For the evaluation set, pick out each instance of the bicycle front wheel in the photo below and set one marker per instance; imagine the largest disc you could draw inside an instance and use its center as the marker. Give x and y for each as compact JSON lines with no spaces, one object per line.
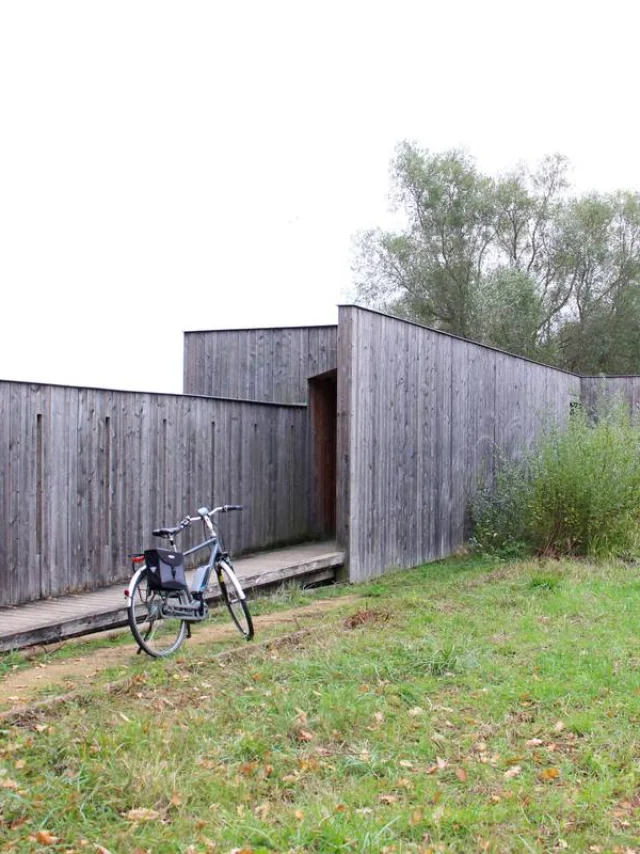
{"x":155,"y":633}
{"x":234,"y":598}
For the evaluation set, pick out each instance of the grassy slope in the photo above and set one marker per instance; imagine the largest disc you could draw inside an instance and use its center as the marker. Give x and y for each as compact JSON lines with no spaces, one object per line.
{"x":477,"y":708}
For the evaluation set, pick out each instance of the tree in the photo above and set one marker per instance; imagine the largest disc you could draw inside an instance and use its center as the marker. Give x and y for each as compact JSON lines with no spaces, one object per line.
{"x":510,"y":261}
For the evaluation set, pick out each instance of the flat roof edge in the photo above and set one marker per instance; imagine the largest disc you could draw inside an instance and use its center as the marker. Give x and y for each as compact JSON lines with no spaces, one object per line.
{"x":154,"y":393}
{"x":458,"y":338}
{"x":260,"y":328}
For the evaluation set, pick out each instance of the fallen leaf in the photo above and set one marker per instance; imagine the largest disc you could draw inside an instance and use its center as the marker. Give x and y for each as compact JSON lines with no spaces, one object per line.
{"x":305,"y":735}
{"x":142,"y":814}
{"x":388,"y":799}
{"x":299,"y":815}
{"x":20,"y":764}
{"x":512,"y":772}
{"x":441,"y":763}
{"x":415,"y":711}
{"x":46,"y":838}
{"x":559,"y":726}
{"x":9,"y":784}
{"x":461,"y":774}
{"x":404,"y":763}
{"x":176,"y":800}
{"x":102,"y":850}
{"x":549,"y":774}
{"x":534,"y":742}
{"x":341,"y":808}
{"x":262,"y":811}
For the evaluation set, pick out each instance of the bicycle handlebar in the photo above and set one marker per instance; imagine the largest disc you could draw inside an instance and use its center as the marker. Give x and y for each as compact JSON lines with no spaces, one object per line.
{"x":225,"y":508}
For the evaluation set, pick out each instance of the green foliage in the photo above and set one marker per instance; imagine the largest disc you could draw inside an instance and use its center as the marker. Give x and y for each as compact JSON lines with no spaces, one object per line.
{"x":511,"y":261}
{"x":576,"y":493}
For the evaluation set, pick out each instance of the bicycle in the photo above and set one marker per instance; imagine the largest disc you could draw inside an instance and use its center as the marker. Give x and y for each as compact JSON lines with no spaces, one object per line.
{"x":161,"y":605}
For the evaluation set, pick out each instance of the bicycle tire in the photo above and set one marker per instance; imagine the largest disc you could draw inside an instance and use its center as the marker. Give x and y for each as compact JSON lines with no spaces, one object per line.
{"x":156,"y":635}
{"x":233,"y":597}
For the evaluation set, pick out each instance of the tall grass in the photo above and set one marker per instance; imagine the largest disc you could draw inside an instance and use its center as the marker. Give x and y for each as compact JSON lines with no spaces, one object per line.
{"x":576,"y":493}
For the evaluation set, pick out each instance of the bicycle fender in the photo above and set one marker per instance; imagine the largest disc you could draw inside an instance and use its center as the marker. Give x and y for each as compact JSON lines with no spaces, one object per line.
{"x":234,"y":581}
{"x":127,"y":593}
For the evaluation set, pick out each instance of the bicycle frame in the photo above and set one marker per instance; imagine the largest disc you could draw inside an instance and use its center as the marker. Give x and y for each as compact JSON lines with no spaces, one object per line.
{"x":202,"y":573}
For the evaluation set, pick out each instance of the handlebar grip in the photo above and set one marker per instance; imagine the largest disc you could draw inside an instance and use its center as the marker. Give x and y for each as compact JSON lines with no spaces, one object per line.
{"x":228,"y":507}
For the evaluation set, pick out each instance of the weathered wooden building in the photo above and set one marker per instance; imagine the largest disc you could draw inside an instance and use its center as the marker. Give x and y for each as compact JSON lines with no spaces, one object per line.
{"x":402,"y":421}
{"x":373,"y":431}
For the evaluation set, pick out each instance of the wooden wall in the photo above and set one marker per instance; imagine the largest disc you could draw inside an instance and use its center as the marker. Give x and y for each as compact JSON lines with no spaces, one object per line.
{"x":598,"y":390}
{"x":85,"y":475}
{"x":258,"y":364}
{"x":420,"y":414}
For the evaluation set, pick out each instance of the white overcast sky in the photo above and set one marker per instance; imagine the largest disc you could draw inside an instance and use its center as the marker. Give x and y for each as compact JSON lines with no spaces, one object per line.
{"x":187,"y":165}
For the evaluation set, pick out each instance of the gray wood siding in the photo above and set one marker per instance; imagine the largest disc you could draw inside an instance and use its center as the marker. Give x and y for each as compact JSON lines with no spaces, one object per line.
{"x":599,"y":391}
{"x":258,"y":364}
{"x":420,"y":416}
{"x":85,"y":475}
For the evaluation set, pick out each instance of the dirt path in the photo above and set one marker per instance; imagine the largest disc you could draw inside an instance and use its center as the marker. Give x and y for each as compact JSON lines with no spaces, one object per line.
{"x":24,"y":685}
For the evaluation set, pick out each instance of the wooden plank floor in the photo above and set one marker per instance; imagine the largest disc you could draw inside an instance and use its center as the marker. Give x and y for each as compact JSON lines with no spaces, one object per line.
{"x":52,"y":620}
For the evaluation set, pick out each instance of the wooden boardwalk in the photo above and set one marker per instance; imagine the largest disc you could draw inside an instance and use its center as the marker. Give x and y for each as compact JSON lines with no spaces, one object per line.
{"x":52,"y":620}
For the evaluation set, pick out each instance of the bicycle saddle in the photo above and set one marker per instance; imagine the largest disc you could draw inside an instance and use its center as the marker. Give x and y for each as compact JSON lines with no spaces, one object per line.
{"x":166,"y":532}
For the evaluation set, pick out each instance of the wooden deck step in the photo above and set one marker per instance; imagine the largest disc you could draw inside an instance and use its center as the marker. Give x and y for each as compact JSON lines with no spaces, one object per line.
{"x":52,"y":620}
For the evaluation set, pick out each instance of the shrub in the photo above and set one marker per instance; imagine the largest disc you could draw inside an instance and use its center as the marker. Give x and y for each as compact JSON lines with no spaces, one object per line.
{"x":576,"y":493}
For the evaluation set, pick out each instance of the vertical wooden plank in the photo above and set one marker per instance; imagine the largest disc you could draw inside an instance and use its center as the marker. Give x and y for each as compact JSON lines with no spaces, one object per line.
{"x":344,"y":431}
{"x":460,"y":355}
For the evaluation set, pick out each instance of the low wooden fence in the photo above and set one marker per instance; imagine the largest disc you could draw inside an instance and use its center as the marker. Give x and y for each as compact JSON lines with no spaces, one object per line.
{"x":85,"y":474}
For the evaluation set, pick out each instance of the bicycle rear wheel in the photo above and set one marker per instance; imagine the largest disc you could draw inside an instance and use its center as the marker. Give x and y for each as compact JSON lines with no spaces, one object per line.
{"x":155,"y":634}
{"x":234,"y":598}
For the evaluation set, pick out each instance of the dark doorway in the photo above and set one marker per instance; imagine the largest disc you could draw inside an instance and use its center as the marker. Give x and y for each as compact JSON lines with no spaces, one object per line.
{"x":323,"y":411}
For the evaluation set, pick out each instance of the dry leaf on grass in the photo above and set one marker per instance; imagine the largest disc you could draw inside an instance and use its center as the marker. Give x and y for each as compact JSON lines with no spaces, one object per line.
{"x":143,"y":814}
{"x":549,"y":774}
{"x":46,"y":838}
{"x":512,"y":772}
{"x":305,"y":735}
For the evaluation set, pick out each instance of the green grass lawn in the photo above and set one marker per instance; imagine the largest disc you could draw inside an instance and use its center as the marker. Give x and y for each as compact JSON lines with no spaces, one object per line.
{"x":463,"y":706}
